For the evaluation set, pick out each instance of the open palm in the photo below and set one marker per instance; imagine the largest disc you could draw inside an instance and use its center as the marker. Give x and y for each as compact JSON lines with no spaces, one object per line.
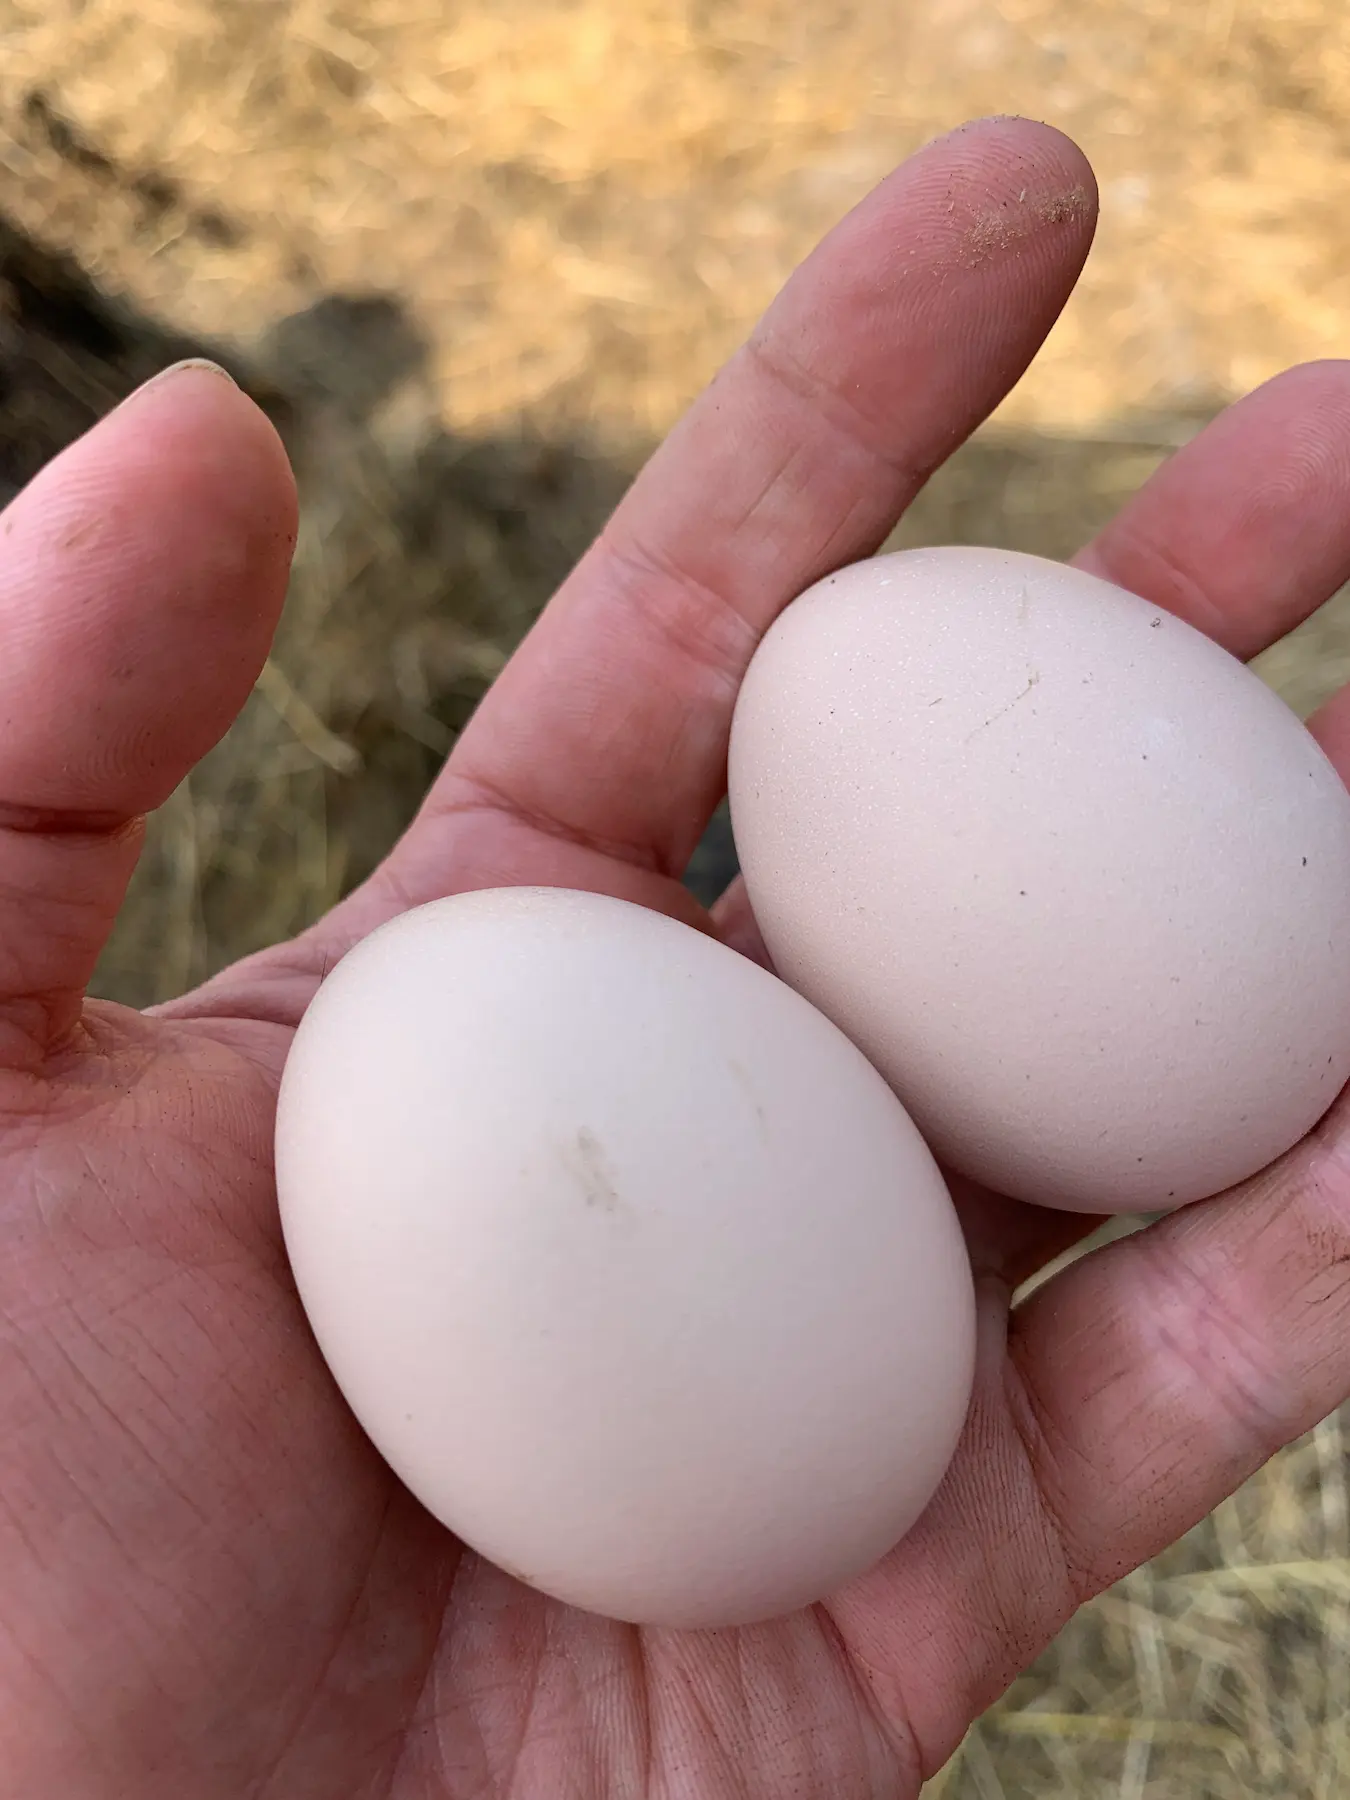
{"x":211,"y":1584}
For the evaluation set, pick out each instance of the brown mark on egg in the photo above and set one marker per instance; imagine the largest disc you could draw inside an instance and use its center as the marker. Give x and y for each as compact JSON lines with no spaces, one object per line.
{"x":742,"y":1078}
{"x":585,"y":1161}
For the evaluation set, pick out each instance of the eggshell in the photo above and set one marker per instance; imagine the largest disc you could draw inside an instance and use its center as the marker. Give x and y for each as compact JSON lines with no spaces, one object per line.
{"x":1071,"y":876}
{"x":629,"y":1264}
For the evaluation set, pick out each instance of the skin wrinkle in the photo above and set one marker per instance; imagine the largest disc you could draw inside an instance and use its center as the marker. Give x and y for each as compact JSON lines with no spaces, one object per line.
{"x":17,"y":896}
{"x":1057,"y":1467}
{"x":835,"y":405}
{"x":959,"y":1598}
{"x":12,"y":1515}
{"x":452,"y":1755}
{"x":58,"y":1404}
{"x":291,"y":1734}
{"x":640,"y":1685}
{"x":80,"y":1726}
{"x":773,"y":478}
{"x":896,"y":1733}
{"x":1281,"y":1203}
{"x":612,"y":1767}
{"x":701,"y":625}
{"x":1064,"y":1580}
{"x":134,"y":1425}
{"x":508,"y":1781}
{"x":860,"y":525}
{"x":1205,"y":1335}
{"x":471,"y":798}
{"x":32,"y":821}
{"x":696,"y":1725}
{"x":42,"y":1011}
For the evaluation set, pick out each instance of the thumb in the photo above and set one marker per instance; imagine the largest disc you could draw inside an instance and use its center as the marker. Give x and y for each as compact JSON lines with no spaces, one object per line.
{"x":142,"y":574}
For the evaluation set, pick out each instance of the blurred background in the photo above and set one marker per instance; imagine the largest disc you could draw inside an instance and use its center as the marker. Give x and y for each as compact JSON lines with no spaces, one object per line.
{"x":474,"y":257}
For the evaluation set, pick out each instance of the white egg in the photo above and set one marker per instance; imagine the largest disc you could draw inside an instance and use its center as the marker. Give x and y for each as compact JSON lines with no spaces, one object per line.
{"x":1075,"y":881}
{"x":628,"y":1262}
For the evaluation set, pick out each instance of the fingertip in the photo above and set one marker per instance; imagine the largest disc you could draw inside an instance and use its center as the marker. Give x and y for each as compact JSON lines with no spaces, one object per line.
{"x":195,"y":406}
{"x":1046,"y":157}
{"x":200,"y":445}
{"x":1311,"y":400}
{"x":1040,"y":137}
{"x":1243,"y":530}
{"x":185,"y":365}
{"x":142,"y":576}
{"x":1007,"y":197}
{"x":973,"y":244}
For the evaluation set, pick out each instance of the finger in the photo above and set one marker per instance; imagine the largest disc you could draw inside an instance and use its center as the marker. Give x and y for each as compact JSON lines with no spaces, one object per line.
{"x":1245,"y":531}
{"x":609,"y":727}
{"x":1164,"y":1371}
{"x":1330,"y":725}
{"x":737,"y":925}
{"x":1140,"y":1388}
{"x":141,"y":577}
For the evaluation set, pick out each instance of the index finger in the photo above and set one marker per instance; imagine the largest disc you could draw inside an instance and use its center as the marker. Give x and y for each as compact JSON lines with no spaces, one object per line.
{"x":901,"y":332}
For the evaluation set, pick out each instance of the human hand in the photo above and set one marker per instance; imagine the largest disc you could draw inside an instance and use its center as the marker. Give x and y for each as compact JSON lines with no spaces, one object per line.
{"x":212,"y":1584}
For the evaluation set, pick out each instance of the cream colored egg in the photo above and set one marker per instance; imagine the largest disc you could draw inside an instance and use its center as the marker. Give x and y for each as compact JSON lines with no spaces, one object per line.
{"x":629,"y":1264}
{"x":1071,"y":876}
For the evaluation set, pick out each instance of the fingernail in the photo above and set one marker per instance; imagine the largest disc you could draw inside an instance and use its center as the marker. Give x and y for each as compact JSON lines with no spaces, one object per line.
{"x":203,"y":363}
